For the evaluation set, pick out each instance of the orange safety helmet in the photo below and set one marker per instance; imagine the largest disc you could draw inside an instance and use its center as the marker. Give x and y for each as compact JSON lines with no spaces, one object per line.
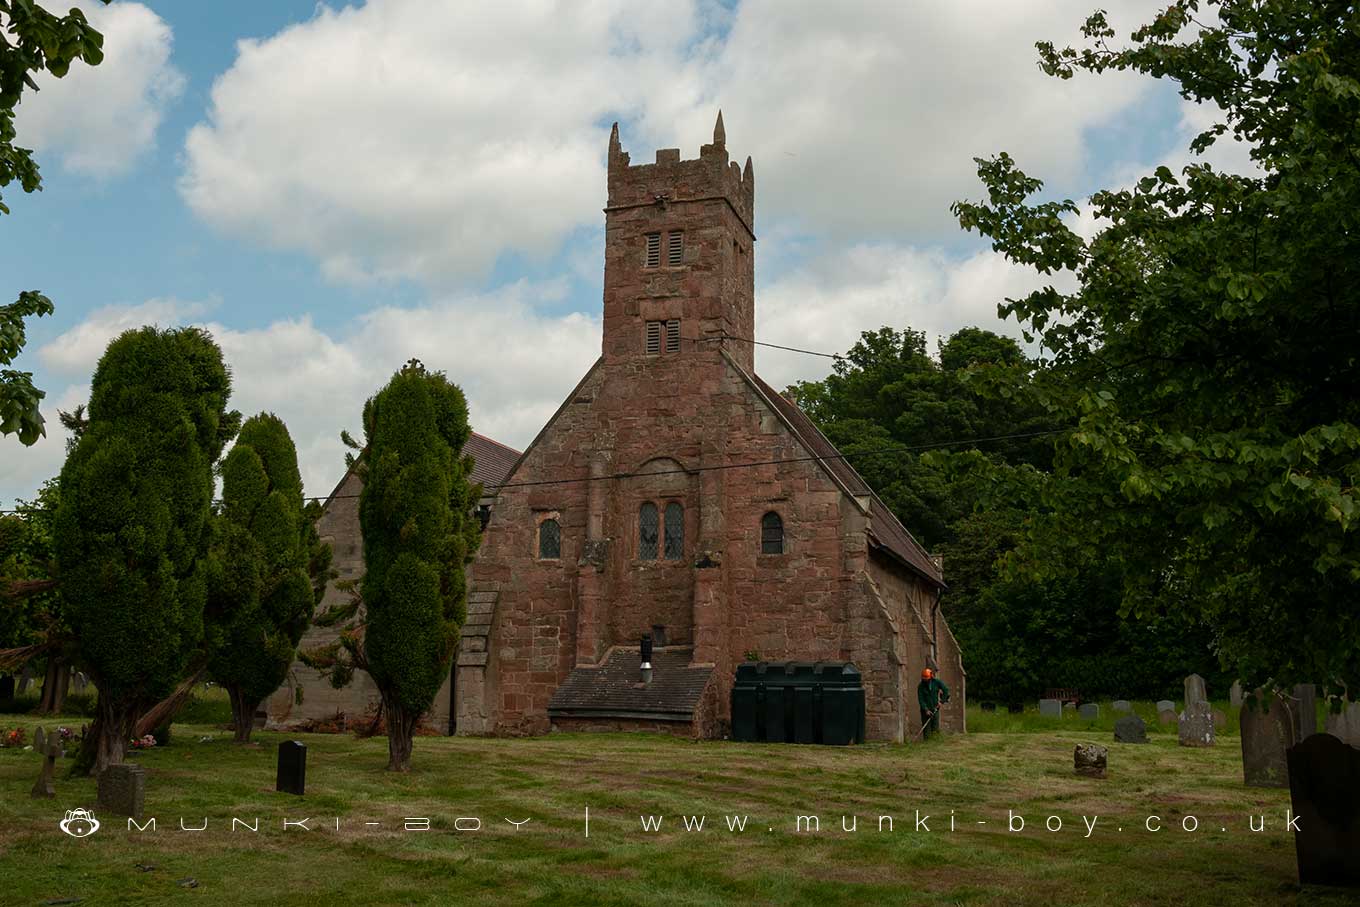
{"x":927,"y":674}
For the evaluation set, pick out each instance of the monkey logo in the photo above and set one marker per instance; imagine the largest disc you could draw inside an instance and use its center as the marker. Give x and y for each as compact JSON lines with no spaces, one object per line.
{"x":79,"y":823}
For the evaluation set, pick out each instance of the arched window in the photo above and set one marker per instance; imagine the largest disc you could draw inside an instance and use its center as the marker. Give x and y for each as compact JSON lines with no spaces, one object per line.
{"x":771,"y":534}
{"x":549,"y":540}
{"x":675,"y":532}
{"x":647,"y":532}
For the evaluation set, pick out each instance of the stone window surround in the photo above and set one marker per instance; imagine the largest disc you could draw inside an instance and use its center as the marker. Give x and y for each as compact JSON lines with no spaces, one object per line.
{"x":783,"y":552}
{"x":660,"y":503}
{"x":541,"y":517}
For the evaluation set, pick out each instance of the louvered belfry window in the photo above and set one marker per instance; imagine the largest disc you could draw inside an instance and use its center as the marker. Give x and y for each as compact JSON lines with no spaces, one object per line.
{"x":653,"y":250}
{"x":653,"y":337}
{"x":673,"y":336}
{"x":647,"y":532}
{"x":675,"y":248}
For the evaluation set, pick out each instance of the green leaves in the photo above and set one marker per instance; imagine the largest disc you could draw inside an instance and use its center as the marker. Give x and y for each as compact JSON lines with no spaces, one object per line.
{"x":1209,"y":355}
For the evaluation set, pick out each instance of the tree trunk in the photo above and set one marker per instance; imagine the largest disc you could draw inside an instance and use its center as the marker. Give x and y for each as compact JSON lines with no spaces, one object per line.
{"x":242,"y":712}
{"x":55,"y":684}
{"x":164,"y":711}
{"x":401,"y":727}
{"x":112,"y":729}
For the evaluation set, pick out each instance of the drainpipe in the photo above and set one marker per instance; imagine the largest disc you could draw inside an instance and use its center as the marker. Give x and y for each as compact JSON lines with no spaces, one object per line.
{"x":646,"y":648}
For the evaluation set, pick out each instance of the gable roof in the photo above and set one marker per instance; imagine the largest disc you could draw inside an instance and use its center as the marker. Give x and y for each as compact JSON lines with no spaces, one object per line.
{"x":886,"y":531}
{"x":613,"y":690}
{"x":492,"y":463}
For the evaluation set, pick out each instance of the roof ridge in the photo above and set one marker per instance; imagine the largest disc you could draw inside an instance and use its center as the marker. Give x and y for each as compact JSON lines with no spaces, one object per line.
{"x":477,"y":434}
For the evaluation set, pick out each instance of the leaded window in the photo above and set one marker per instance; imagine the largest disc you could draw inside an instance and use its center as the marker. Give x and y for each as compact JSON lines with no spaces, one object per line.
{"x":771,"y":534}
{"x":549,"y":540}
{"x":647,"y":532}
{"x":675,"y":532}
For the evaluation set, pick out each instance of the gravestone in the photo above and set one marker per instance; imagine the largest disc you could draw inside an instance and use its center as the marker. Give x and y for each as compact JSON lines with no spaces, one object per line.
{"x":1324,"y":790}
{"x":1345,"y":725}
{"x":49,"y":748}
{"x":25,"y":678}
{"x":1235,"y":694}
{"x":1167,"y":716}
{"x":1196,"y":725}
{"x":122,"y":789}
{"x":292,"y":774}
{"x":1050,"y":708}
{"x":1130,"y":729}
{"x":1220,"y":719}
{"x":1015,"y":708}
{"x":1270,"y":724}
{"x":1122,"y":705}
{"x":6,"y":688}
{"x":989,"y":706}
{"x":1069,"y":708}
{"x":1089,"y":760}
{"x":79,"y":682}
{"x":1195,"y":690}
{"x":1305,"y":694}
{"x":1165,"y":705}
{"x":1089,"y":711}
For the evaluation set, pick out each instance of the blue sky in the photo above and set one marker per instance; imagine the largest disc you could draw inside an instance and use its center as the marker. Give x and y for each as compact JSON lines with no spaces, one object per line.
{"x":357,"y":185}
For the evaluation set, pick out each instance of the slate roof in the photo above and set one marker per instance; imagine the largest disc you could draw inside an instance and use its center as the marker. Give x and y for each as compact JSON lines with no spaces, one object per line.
{"x":613,"y":690}
{"x":493,"y":461}
{"x":885,"y":530}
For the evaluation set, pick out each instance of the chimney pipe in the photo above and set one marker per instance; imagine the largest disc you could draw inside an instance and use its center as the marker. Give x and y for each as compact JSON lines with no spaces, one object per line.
{"x":646,"y":649}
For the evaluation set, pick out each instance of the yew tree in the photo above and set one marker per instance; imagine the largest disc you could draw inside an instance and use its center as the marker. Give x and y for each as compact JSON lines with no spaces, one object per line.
{"x":415,"y":514}
{"x":133,"y":524}
{"x":1208,"y":359}
{"x":264,"y":556}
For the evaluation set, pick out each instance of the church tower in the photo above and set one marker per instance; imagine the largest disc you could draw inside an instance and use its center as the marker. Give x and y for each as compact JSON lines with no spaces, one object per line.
{"x":679,"y":256}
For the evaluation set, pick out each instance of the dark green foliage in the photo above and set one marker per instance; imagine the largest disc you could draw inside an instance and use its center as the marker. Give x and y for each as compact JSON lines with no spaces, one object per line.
{"x":26,"y":556}
{"x":419,"y":534}
{"x":32,"y":40}
{"x":260,"y":586}
{"x":1207,"y":362}
{"x":133,"y":524}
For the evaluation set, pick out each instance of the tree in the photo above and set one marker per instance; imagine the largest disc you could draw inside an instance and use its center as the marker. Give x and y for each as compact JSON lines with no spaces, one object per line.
{"x":1207,"y":360}
{"x":415,"y":513}
{"x":260,"y":576}
{"x":132,"y":526}
{"x":37,"y":41}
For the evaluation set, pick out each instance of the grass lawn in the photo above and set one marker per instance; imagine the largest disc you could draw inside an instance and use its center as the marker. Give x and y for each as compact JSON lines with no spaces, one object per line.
{"x":1019,"y":763}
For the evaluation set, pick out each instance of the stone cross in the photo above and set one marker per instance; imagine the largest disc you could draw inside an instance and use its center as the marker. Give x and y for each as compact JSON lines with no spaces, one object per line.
{"x":49,"y":747}
{"x":122,"y":789}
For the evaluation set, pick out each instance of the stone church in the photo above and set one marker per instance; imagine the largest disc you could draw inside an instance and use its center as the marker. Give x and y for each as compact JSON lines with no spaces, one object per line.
{"x":676,"y":493}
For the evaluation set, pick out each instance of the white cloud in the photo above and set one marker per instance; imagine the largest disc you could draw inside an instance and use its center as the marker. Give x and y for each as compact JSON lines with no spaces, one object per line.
{"x":409,"y":139}
{"x":101,"y":119}
{"x":514,"y":365}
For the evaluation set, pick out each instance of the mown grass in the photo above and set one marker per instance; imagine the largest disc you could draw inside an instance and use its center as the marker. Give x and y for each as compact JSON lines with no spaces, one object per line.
{"x":1019,"y":763}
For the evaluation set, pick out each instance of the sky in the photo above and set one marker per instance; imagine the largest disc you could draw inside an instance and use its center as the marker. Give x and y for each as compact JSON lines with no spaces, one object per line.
{"x":332,"y":190}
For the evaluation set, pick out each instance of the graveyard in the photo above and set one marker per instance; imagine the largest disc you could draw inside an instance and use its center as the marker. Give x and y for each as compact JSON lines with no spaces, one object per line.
{"x":503,"y":821}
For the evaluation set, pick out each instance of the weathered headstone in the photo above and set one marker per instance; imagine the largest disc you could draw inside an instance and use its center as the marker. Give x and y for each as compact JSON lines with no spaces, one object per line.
{"x":1050,"y":708}
{"x":25,"y":678}
{"x":1130,"y":729}
{"x":292,"y":774}
{"x":1166,"y":705}
{"x":1122,"y":705}
{"x":1305,"y":695}
{"x":79,"y":682}
{"x":122,"y":789}
{"x":1089,"y":759}
{"x":1269,"y":726}
{"x":1220,"y":719}
{"x":1324,"y":790}
{"x":1167,"y":716}
{"x":1088,"y":711}
{"x":1195,"y":690}
{"x":989,"y":706}
{"x":1345,"y":725}
{"x":1196,"y":725}
{"x":1235,"y":694}
{"x":49,"y":748}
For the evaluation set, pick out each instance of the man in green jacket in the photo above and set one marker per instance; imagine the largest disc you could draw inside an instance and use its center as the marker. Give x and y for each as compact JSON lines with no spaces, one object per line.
{"x":931,"y":695}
